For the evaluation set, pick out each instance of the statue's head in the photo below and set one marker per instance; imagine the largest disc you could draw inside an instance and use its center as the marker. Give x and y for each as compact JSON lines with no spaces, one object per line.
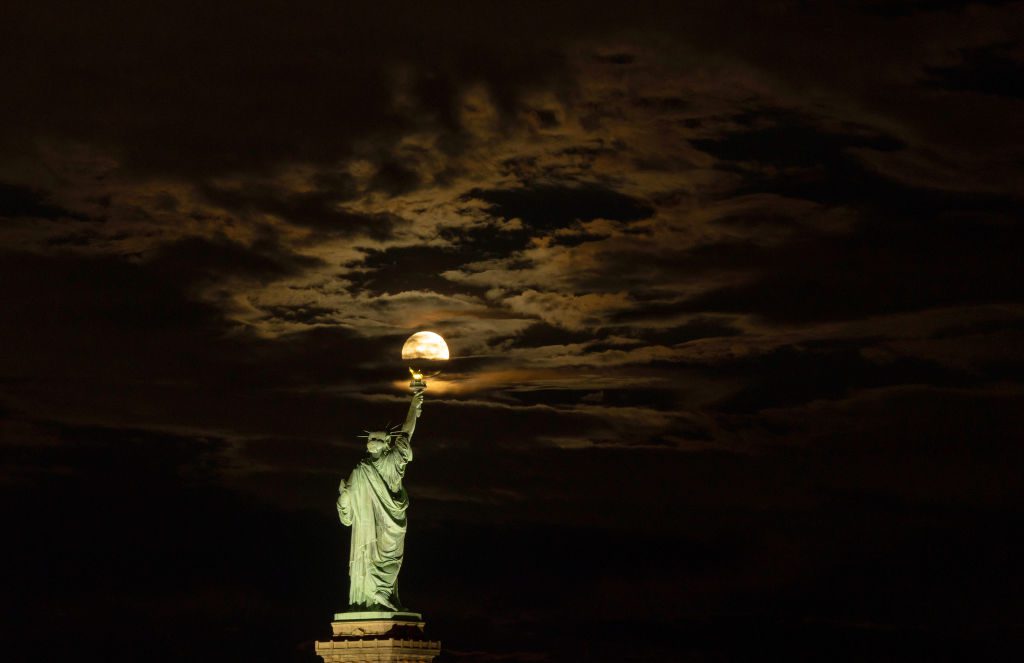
{"x":377,"y":441}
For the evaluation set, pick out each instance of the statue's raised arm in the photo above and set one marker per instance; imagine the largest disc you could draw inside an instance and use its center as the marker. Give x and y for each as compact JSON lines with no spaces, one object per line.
{"x":415,"y":410}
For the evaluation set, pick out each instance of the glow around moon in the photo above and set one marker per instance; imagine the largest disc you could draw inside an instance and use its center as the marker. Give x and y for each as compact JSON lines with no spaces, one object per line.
{"x":425,"y":345}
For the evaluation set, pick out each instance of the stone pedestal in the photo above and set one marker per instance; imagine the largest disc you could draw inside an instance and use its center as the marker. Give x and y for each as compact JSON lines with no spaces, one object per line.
{"x":378,"y":637}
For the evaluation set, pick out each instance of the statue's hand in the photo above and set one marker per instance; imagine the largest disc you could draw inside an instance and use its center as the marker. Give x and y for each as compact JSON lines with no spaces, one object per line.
{"x":417,"y":402}
{"x":341,"y":487}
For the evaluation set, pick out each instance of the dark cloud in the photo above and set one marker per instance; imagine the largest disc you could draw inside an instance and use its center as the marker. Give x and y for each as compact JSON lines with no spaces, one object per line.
{"x":545,"y":208}
{"x":883,"y":268}
{"x":571,"y":239}
{"x":907,"y":7}
{"x":989,"y":70}
{"x":80,"y":239}
{"x":140,"y":333}
{"x":244,"y":92}
{"x":793,"y":375}
{"x":785,"y":139}
{"x":400,"y":269}
{"x":198,"y":105}
{"x":118,"y":294}
{"x":195,"y":259}
{"x":689,"y":331}
{"x":126,"y":456}
{"x":616,"y":58}
{"x":16,"y":201}
{"x":822,"y":165}
{"x":541,"y":334}
{"x":305,"y":314}
{"x":320,"y":209}
{"x":394,"y":178}
{"x":492,"y":240}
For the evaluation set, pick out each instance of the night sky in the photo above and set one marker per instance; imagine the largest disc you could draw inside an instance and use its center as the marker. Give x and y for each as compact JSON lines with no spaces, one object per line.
{"x":733,"y":292}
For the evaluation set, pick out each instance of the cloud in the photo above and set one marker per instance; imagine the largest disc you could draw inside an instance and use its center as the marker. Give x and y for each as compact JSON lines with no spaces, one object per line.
{"x":988,"y":70}
{"x":319,"y":209}
{"x":574,"y":312}
{"x":407,"y":268}
{"x":196,"y":259}
{"x":546,"y":207}
{"x":16,"y":201}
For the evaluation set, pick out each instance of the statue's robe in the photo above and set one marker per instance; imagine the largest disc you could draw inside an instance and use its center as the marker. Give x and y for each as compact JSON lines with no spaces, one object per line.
{"x":374,"y":503}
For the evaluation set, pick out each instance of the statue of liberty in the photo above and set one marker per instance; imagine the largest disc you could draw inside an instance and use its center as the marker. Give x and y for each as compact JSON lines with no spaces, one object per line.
{"x":373,"y":502}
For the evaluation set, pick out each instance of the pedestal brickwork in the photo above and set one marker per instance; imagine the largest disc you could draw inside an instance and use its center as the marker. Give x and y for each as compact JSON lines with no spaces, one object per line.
{"x":378,"y":637}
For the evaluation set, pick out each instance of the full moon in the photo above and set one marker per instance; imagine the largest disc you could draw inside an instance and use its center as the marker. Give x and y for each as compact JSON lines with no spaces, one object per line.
{"x":425,"y":345}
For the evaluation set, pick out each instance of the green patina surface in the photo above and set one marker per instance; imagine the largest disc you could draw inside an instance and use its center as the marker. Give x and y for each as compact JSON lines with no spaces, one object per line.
{"x":373,"y":502}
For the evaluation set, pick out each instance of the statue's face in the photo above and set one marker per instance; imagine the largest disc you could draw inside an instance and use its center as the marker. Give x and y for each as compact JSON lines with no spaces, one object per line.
{"x":377,"y":442}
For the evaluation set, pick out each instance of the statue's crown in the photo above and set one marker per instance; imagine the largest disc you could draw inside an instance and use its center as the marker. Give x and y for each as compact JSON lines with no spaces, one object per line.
{"x":386,"y":434}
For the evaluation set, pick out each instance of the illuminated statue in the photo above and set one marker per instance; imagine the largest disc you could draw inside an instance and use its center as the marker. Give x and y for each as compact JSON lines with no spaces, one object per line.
{"x":373,"y":503}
